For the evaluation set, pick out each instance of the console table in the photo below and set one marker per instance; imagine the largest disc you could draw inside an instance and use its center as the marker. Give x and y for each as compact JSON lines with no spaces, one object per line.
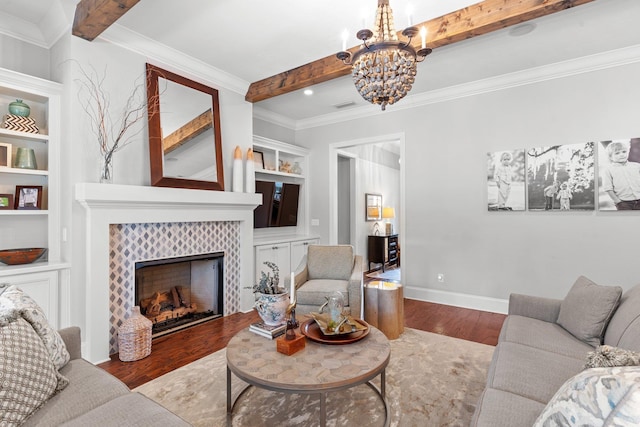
{"x":383,"y":250}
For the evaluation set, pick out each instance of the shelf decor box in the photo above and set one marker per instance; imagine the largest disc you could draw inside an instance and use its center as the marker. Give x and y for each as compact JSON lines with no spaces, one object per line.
{"x":5,"y":154}
{"x":20,"y":123}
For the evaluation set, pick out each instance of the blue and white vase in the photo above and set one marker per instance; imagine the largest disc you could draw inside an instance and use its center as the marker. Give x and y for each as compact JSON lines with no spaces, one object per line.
{"x":272,"y":308}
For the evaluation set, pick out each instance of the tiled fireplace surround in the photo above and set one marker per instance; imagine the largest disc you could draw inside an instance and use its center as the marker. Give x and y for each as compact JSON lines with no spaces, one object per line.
{"x":125,"y":224}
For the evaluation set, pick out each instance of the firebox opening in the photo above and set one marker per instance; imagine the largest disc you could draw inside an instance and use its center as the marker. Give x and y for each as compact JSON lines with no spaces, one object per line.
{"x":176,"y":293}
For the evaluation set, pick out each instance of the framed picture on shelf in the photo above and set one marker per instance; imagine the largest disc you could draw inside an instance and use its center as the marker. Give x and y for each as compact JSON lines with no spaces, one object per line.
{"x":28,"y":197}
{"x":5,"y":154}
{"x":258,"y":159}
{"x":6,"y":201}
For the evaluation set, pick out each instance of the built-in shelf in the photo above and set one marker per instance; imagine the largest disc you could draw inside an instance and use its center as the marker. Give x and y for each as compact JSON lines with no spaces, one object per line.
{"x":19,"y":171}
{"x":23,"y":135}
{"x":25,"y":212}
{"x":35,"y":267}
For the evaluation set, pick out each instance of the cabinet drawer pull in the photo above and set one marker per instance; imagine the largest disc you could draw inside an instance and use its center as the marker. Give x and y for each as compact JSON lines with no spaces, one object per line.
{"x":274,"y":248}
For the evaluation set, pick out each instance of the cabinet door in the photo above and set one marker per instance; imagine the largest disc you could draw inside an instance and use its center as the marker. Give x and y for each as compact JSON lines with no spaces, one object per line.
{"x":279,"y":254}
{"x":299,"y":250}
{"x":43,"y":288}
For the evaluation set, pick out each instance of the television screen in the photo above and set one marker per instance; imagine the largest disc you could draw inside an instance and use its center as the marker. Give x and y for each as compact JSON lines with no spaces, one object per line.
{"x":279,"y":204}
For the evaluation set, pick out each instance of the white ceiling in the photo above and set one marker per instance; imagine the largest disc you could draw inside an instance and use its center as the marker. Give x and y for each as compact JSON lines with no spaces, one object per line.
{"x":255,"y":39}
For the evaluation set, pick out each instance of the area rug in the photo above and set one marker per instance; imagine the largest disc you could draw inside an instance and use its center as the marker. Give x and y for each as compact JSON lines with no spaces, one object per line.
{"x":432,"y":380}
{"x":393,"y":274}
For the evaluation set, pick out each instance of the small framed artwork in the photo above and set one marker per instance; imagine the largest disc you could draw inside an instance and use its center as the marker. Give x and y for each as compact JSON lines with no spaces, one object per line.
{"x":28,"y":197}
{"x":258,"y":159}
{"x":373,"y":207}
{"x":5,"y":154}
{"x":6,"y":201}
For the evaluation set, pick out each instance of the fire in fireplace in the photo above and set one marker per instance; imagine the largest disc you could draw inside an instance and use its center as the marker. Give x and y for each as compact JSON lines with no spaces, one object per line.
{"x":176,"y":293}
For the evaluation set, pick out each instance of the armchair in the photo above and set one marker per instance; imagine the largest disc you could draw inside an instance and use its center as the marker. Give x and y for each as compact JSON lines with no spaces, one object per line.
{"x":326,"y":269}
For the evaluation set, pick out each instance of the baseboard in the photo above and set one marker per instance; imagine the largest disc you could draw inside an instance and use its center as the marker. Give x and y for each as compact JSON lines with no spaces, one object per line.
{"x":455,"y":299}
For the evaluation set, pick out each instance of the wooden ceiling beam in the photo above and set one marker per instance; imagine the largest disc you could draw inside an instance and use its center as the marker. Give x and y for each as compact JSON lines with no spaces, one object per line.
{"x":475,"y":20}
{"x":92,"y":17}
{"x":187,"y":132}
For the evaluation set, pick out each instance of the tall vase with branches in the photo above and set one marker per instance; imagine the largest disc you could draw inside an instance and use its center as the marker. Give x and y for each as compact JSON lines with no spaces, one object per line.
{"x":112,"y":134}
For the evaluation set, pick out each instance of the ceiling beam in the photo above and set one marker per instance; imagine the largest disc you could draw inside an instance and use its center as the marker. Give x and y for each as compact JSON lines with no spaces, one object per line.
{"x":187,"y":132}
{"x":475,"y":20}
{"x":94,"y":16}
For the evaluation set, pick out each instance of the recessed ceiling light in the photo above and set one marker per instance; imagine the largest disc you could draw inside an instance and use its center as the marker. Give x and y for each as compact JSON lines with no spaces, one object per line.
{"x":522,"y":29}
{"x":308,"y":92}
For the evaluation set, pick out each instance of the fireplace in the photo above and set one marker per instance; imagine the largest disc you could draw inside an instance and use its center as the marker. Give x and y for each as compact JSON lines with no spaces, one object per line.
{"x":175,"y":293}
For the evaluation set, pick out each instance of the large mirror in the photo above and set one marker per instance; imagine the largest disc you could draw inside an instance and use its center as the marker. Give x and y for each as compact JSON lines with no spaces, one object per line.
{"x":185,"y":145}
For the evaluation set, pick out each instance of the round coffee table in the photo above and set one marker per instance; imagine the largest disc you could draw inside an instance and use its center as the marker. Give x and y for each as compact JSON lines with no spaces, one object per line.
{"x":343,"y":366}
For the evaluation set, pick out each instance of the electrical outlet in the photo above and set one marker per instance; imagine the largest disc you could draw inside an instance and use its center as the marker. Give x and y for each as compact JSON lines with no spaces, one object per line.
{"x":441,"y":277}
{"x":315,"y":222}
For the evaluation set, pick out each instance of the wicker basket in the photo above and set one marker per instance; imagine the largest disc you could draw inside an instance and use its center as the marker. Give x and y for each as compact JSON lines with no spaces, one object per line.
{"x":134,"y":337}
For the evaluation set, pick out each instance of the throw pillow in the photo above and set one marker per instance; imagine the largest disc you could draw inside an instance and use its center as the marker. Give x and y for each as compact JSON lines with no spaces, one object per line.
{"x":604,"y":397}
{"x":14,"y":297}
{"x":587,"y":309}
{"x":606,"y":355}
{"x":27,"y":376}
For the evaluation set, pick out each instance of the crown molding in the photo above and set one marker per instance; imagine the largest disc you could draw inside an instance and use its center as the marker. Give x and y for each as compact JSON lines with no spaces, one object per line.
{"x":275,"y":118}
{"x":130,"y":40}
{"x":586,"y":64}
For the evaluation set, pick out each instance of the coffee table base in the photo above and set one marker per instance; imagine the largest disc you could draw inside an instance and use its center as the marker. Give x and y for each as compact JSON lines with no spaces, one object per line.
{"x":323,"y":404}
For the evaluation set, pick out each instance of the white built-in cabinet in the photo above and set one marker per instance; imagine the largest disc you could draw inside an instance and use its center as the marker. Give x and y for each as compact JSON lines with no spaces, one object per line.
{"x":39,"y":228}
{"x":284,"y":246}
{"x":286,"y":254}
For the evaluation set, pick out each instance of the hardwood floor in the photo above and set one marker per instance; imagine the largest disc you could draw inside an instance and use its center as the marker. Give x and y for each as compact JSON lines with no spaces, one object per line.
{"x":180,"y":348}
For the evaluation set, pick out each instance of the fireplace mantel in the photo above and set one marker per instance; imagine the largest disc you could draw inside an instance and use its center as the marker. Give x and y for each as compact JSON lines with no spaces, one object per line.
{"x":107,"y":204}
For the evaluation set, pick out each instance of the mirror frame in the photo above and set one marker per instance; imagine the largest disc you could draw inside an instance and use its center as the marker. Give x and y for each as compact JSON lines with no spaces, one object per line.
{"x":156,"y":152}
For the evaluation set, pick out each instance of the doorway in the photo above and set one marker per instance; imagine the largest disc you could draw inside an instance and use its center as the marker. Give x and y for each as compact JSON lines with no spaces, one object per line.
{"x":352,"y":173}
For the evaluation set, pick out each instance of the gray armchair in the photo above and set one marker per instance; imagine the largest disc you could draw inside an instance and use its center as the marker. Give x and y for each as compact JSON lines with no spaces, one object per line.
{"x":326,"y":269}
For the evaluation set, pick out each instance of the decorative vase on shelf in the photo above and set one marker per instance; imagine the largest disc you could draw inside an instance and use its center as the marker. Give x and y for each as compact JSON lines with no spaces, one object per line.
{"x":25,"y":158}
{"x":106,"y":170}
{"x":19,"y":108}
{"x":272,"y":308}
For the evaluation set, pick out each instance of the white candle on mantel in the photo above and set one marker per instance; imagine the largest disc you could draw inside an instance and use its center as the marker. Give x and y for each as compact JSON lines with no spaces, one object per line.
{"x":423,"y":34}
{"x":292,"y":294}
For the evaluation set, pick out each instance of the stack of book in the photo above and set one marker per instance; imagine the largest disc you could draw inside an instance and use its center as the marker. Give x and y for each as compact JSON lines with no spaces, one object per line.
{"x":267,"y":331}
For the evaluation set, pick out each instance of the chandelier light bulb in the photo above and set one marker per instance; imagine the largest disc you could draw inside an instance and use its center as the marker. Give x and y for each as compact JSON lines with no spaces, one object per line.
{"x":423,"y":34}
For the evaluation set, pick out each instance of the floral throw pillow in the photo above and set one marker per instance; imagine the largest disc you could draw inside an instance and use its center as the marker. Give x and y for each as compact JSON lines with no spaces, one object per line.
{"x":29,"y":378}
{"x":604,"y":397}
{"x":14,"y":298}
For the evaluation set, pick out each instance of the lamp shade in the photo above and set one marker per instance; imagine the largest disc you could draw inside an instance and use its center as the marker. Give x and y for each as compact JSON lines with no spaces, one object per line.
{"x":388,"y":212}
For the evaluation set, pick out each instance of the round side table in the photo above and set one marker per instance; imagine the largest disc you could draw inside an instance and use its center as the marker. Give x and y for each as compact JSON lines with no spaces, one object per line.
{"x":384,"y":307}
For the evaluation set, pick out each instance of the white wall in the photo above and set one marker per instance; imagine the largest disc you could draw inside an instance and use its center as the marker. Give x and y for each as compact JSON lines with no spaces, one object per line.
{"x":24,"y":57}
{"x":447,"y":226}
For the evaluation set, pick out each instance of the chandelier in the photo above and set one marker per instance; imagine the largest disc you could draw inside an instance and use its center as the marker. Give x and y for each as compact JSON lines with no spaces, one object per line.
{"x":384,"y":69}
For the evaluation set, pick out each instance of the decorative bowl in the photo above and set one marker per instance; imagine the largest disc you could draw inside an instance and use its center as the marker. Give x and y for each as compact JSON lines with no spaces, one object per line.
{"x":21,"y":256}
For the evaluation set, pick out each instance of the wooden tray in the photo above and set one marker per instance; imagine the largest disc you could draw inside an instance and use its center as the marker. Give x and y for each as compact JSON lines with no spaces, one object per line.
{"x":311,"y":330}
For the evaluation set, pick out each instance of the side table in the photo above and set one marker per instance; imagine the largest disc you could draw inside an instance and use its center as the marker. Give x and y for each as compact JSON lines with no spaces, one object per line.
{"x":384,"y":307}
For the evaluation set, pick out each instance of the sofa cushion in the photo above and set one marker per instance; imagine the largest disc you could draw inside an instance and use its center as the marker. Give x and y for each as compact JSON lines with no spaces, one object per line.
{"x":89,"y":387}
{"x":543,"y":335}
{"x":330,"y":262}
{"x":607,"y":356}
{"x":530,"y":372}
{"x":14,"y":297}
{"x":313,"y":292}
{"x":132,"y":409}
{"x":498,"y":408}
{"x":604,"y":397}
{"x":587,"y":308}
{"x":624,"y":328}
{"x":28,"y":378}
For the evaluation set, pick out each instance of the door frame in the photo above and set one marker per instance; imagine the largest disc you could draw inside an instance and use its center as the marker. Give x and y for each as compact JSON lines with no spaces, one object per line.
{"x":336,"y":149}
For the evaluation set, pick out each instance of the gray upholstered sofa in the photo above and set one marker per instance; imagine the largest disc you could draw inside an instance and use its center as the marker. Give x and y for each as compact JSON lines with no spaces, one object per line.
{"x":537,"y":353}
{"x":96,"y":398}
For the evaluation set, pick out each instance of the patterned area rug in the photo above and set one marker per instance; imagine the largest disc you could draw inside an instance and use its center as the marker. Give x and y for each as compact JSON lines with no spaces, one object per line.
{"x":432,"y":380}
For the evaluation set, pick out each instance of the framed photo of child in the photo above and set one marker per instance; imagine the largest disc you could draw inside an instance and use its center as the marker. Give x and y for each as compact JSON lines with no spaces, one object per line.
{"x":505,"y":180}
{"x":28,"y":197}
{"x":561,"y":177}
{"x":619,"y":173}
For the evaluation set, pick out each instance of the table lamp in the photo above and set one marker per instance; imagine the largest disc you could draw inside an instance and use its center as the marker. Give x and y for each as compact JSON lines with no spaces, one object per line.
{"x":388,"y":213}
